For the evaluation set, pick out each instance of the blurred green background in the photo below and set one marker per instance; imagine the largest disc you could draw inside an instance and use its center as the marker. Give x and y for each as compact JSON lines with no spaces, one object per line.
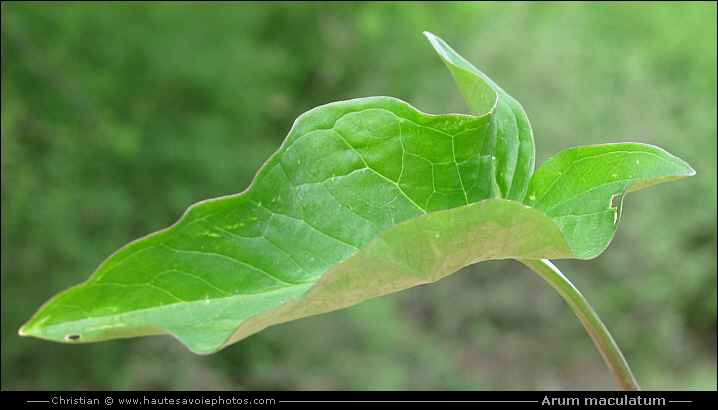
{"x":118,"y":116}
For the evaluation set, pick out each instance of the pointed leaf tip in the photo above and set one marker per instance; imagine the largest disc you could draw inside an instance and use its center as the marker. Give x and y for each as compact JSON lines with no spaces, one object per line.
{"x":577,"y":188}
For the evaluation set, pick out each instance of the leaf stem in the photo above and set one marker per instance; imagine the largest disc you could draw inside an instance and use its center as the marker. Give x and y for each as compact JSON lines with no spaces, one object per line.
{"x":599,"y":333}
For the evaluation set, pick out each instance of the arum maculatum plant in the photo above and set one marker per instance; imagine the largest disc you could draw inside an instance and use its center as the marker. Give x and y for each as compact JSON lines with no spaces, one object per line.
{"x":366,"y":197}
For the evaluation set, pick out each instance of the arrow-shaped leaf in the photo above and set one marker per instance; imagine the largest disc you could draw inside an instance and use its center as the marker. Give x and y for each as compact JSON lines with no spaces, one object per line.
{"x":365,"y":197}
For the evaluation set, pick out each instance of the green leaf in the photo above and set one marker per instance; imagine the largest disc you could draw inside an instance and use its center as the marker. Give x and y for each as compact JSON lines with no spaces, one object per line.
{"x":346,"y":172}
{"x":365,"y":197}
{"x":581,"y":189}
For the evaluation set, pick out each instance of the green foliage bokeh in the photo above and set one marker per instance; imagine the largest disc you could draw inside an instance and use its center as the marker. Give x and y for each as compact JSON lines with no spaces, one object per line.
{"x":117,"y":116}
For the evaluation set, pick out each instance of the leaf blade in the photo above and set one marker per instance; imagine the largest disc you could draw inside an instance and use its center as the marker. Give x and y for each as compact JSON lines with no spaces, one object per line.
{"x":577,"y":186}
{"x":323,"y":196}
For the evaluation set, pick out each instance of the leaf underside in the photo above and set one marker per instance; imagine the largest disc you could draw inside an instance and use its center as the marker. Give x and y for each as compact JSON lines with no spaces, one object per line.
{"x":365,"y":197}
